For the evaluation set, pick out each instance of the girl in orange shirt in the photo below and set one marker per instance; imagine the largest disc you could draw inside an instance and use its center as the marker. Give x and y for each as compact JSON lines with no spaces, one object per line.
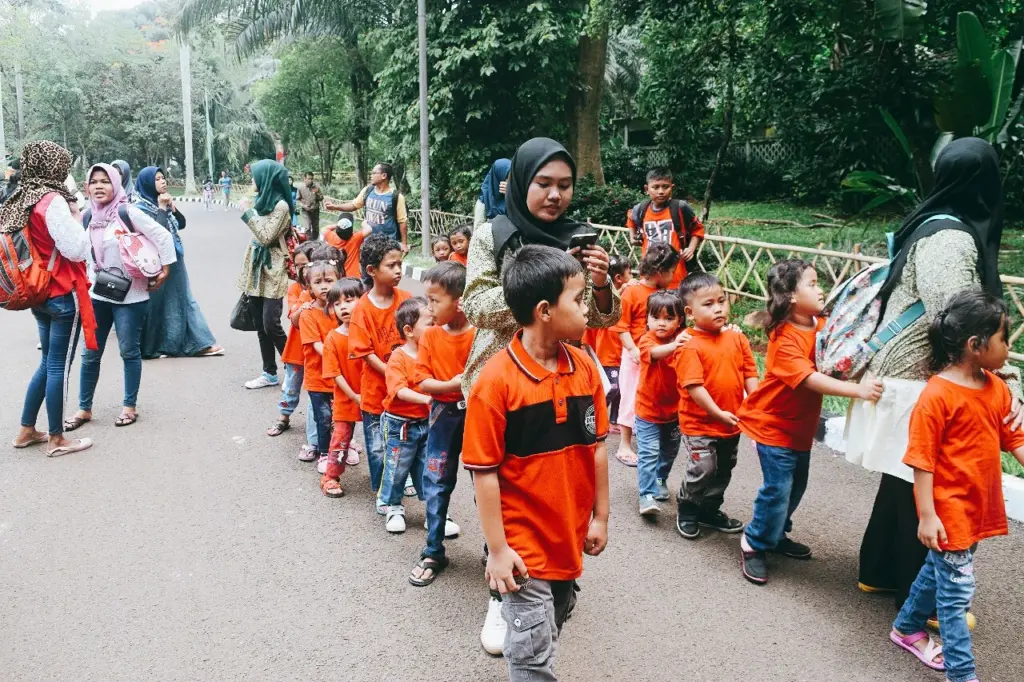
{"x":314,"y":326}
{"x":459,"y":239}
{"x":656,"y":272}
{"x":781,"y":416}
{"x":441,"y":247}
{"x":956,"y":435}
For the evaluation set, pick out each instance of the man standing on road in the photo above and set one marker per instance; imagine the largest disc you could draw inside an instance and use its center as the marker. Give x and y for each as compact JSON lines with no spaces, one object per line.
{"x":225,"y":187}
{"x":310,"y":197}
{"x":385,"y":207}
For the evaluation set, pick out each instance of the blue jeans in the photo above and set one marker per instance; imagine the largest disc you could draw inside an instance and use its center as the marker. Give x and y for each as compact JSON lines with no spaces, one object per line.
{"x":57,"y":320}
{"x":323,"y":416}
{"x":444,"y":445}
{"x":127,"y":319}
{"x":373,"y":438}
{"x":657,"y":447}
{"x":405,"y":452}
{"x":291,"y":389}
{"x":785,"y":480}
{"x":945,"y":585}
{"x":312,"y":437}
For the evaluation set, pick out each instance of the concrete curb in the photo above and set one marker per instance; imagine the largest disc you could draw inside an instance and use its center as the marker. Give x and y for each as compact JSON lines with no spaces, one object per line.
{"x":199,"y":200}
{"x":1013,"y":487}
{"x":412,"y":271}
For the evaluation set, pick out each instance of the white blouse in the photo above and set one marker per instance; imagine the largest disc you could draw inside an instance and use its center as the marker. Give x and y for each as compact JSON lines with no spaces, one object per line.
{"x":111,"y":255}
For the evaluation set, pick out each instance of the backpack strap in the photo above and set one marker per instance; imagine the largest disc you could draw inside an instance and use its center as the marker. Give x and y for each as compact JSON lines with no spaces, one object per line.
{"x":122,"y":213}
{"x":639,"y":211}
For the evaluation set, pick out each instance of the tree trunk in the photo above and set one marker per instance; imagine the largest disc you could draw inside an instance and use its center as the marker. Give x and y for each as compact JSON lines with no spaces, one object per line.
{"x":361,"y":168}
{"x":186,"y":115}
{"x":727,"y":125}
{"x":3,"y":137}
{"x":584,"y":103}
{"x":361,"y":84}
{"x":19,"y":91}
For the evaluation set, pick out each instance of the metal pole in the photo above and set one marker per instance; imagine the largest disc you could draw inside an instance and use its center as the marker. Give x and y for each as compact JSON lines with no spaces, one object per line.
{"x":209,"y":134}
{"x":424,"y":131}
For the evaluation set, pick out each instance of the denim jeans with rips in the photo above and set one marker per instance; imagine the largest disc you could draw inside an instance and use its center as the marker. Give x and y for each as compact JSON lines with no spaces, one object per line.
{"x":405,"y":453}
{"x":656,"y":448}
{"x":444,"y":445}
{"x":945,"y":586}
{"x":374,"y":441}
{"x":785,"y":474}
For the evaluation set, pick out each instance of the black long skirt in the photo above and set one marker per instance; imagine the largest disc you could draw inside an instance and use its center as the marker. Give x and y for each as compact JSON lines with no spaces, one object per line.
{"x":890,"y":554}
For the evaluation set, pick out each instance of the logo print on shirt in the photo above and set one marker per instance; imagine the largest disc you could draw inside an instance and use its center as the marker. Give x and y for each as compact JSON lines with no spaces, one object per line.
{"x":658,"y":231}
{"x":590,"y":421}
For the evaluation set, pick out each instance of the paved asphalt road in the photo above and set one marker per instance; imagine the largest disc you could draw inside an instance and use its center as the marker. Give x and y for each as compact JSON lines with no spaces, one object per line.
{"x":192,"y":547}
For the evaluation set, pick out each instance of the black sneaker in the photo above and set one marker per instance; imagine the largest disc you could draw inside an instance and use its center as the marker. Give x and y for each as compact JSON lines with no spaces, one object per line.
{"x":792,"y":549}
{"x":721,"y":522}
{"x":688,"y":528}
{"x":755,"y":567}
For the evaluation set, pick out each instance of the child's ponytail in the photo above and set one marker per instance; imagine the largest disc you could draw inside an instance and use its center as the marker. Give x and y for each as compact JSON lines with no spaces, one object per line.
{"x":783,"y":278}
{"x":968,"y":314}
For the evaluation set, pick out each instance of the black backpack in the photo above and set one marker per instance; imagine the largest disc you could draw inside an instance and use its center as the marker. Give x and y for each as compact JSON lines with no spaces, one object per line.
{"x":681,"y":213}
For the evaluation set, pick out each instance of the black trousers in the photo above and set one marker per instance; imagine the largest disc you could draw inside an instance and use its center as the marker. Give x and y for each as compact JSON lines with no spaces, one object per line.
{"x":890,"y":554}
{"x":266,"y":313}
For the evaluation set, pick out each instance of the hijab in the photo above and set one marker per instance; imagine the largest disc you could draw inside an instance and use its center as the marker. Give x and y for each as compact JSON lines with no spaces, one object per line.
{"x":104,"y":214}
{"x":126,"y":176}
{"x":490,"y":195}
{"x":44,"y":168}
{"x":145,"y":188}
{"x":967,"y":186}
{"x":528,"y":160}
{"x":272,"y":186}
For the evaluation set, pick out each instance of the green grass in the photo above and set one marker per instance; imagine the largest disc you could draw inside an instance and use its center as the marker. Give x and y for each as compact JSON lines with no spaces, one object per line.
{"x":1012,"y":466}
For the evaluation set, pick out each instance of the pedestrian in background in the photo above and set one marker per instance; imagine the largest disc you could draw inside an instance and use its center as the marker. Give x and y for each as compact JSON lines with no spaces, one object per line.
{"x":310,"y":197}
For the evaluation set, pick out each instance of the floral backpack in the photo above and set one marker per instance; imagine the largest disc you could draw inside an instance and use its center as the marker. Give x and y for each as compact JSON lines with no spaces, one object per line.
{"x":851,"y":335}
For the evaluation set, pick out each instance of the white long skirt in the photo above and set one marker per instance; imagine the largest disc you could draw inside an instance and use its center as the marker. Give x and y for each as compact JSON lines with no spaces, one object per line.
{"x":877,"y":434}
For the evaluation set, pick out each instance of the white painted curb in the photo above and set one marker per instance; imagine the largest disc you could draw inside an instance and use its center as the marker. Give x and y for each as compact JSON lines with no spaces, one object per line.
{"x":412,"y":271}
{"x":1013,"y":487}
{"x":200,"y":200}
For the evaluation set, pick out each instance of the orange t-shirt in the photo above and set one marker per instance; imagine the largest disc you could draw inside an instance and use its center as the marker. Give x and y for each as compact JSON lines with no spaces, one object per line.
{"x":314,"y":325}
{"x":721,"y":363}
{"x":443,"y":356}
{"x":337,"y":363}
{"x":539,"y":431}
{"x":401,"y":370}
{"x":782,"y":412}
{"x":633,"y":300}
{"x":373,"y":330}
{"x":657,"y":399}
{"x":957,"y":433}
{"x":657,"y":227}
{"x":351,"y":248}
{"x":606,"y":344}
{"x":457,"y":257}
{"x":293,"y":348}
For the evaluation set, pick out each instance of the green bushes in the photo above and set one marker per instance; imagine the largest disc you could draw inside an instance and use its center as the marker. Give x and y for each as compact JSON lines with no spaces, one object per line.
{"x":606,"y":205}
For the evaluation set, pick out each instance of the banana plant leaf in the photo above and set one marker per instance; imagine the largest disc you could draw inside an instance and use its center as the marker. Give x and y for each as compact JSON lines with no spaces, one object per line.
{"x":1003,"y":72}
{"x":898,"y":18}
{"x":967,"y":104}
{"x":972,"y":46}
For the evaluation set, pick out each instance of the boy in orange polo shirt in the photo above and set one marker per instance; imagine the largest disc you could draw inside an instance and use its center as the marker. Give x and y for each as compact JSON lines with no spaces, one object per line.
{"x":660,"y":218}
{"x":372,"y":338}
{"x":714,"y":370}
{"x":443,"y":353}
{"x":535,"y":430}
{"x":404,"y":422}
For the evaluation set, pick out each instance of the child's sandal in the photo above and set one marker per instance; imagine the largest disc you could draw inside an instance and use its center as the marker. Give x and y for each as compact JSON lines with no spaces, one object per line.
{"x":427,"y":563}
{"x":280,"y":427}
{"x":927,"y":655}
{"x":331,"y":487}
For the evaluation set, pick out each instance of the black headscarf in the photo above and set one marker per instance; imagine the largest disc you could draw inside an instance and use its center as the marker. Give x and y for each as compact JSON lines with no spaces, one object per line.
{"x":968,"y":186}
{"x":126,"y":176}
{"x":528,"y":160}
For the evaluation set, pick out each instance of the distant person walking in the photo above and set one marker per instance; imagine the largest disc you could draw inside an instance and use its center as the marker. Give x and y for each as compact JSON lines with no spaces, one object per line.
{"x":385,"y":207}
{"x":225,"y":188}
{"x":264,"y":278}
{"x":310,"y":198}
{"x":175,"y":325}
{"x":44,"y":206}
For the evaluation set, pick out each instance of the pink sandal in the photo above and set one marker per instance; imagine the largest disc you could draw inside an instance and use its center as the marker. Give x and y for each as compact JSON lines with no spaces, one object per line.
{"x":927,"y":655}
{"x":351,"y":457}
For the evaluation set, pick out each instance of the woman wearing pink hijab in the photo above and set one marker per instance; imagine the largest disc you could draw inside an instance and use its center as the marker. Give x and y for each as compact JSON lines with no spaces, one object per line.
{"x":120,"y":301}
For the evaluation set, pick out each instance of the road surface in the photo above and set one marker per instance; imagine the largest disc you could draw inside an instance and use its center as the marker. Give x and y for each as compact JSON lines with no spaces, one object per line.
{"x":190,"y":546}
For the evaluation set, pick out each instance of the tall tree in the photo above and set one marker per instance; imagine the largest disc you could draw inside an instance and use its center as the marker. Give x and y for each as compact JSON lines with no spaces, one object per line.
{"x":586,"y":96}
{"x":184,"y":56}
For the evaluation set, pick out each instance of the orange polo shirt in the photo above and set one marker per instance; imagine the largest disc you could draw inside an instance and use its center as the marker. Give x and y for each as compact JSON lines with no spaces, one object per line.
{"x":373,"y":330}
{"x":443,"y":356}
{"x":721,"y":363}
{"x":633,"y":300}
{"x":292,"y":354}
{"x":657,"y":399}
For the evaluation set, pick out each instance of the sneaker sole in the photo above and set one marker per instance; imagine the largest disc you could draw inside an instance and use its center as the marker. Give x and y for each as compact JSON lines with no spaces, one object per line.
{"x":800,"y":557}
{"x":686,"y":535}
{"x":727,"y":531}
{"x":651,"y":511}
{"x":663,"y":499}
{"x":752,"y":579}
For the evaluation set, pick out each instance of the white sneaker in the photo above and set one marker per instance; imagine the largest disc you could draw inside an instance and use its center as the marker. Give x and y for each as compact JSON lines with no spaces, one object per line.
{"x":451,"y":529}
{"x":321,"y":465}
{"x":492,"y":637}
{"x":262,"y":381}
{"x":395,"y":519}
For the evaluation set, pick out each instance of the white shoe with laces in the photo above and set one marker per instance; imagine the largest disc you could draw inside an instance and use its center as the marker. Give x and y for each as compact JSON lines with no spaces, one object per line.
{"x":395,"y":522}
{"x":492,"y":637}
{"x":451,"y":529}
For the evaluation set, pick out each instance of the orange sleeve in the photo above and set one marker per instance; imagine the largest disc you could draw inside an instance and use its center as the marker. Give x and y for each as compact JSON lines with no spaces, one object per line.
{"x":359,"y":342}
{"x":791,"y":365}
{"x":397,"y":375}
{"x":927,"y":422}
{"x":294,"y":291}
{"x":689,"y":369}
{"x":600,"y":402}
{"x":484,"y":440}
{"x":624,"y":323}
{"x":630,"y":223}
{"x":309,"y":332}
{"x":645,"y":345}
{"x":698,"y":228}
{"x":332,"y":363}
{"x":421,"y":370}
{"x":749,"y":367}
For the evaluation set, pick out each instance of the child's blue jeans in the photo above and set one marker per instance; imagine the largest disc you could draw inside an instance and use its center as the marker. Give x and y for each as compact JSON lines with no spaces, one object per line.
{"x":657,"y":447}
{"x":945,"y":585}
{"x":444,"y":445}
{"x":323,"y":407}
{"x":405,"y":452}
{"x":291,"y":389}
{"x":785,"y":480}
{"x":374,"y":441}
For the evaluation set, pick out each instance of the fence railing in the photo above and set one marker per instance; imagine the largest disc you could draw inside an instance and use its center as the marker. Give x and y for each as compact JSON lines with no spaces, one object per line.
{"x":742,"y":264}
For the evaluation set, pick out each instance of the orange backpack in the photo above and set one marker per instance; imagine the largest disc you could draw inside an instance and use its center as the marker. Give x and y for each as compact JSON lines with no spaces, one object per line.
{"x":24,"y":277}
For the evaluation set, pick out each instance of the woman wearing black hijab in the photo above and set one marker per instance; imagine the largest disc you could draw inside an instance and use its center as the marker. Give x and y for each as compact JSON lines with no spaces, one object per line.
{"x":948,"y":244}
{"x":537,"y":197}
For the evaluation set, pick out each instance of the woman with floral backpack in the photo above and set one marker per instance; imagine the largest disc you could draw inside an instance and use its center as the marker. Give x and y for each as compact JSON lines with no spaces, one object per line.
{"x":129,"y":256}
{"x":46,"y":210}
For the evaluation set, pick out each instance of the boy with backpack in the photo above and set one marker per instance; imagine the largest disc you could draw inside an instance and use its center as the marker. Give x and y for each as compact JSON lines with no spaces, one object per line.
{"x":385,"y":207}
{"x":660,"y":218}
